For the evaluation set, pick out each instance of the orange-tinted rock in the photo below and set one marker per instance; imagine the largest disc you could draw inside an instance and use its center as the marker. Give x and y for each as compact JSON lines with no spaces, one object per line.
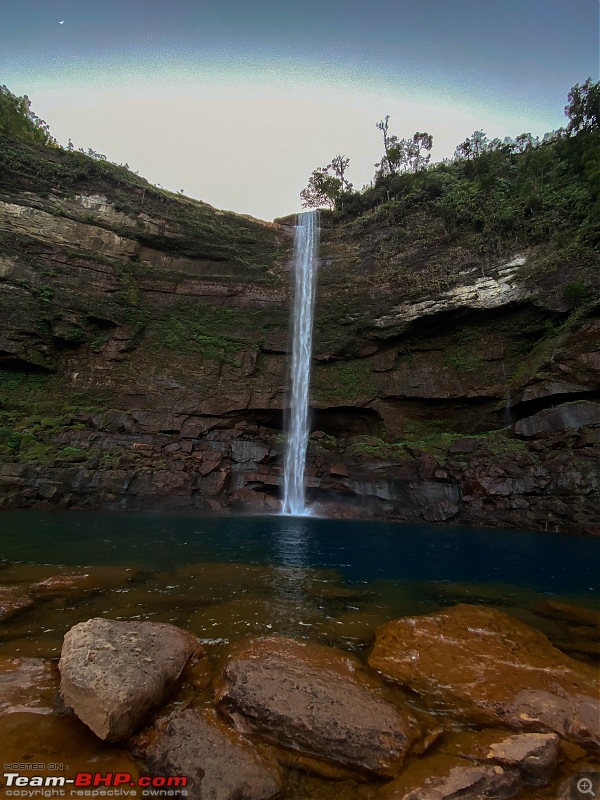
{"x":571,"y":751}
{"x":575,"y":615}
{"x":486,"y":667}
{"x":13,"y":599}
{"x":61,"y":585}
{"x":313,"y":701}
{"x":219,"y":763}
{"x":113,"y":673}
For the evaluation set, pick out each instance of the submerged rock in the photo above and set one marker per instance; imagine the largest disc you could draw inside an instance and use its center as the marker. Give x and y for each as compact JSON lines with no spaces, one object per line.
{"x":14,"y":599}
{"x":477,"y":764}
{"x":218,"y":762}
{"x":534,"y":755}
{"x":312,"y":701}
{"x":113,"y":673}
{"x":252,"y":616}
{"x":28,"y":685}
{"x":486,"y":667}
{"x":587,"y":617}
{"x":80,"y":584}
{"x":459,"y":780}
{"x":60,"y":739}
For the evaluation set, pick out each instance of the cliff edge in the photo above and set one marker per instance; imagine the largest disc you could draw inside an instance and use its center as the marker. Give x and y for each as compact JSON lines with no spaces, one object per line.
{"x":143,"y":358}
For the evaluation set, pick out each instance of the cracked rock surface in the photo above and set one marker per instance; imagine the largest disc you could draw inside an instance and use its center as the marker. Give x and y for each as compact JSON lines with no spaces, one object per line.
{"x":113,"y":673}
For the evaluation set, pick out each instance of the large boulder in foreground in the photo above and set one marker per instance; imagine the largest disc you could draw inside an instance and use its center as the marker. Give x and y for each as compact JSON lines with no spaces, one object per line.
{"x":113,"y":672}
{"x":488,"y":668}
{"x":218,"y":762}
{"x":312,"y":701}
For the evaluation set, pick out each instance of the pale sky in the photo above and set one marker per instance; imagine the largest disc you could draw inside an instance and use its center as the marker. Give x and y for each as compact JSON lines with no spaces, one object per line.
{"x":237,"y":101}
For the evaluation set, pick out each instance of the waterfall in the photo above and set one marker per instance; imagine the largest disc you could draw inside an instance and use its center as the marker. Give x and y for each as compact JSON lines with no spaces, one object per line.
{"x":306,"y":247}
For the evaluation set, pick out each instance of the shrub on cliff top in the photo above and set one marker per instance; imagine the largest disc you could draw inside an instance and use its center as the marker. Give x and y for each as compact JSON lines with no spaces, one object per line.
{"x":19,"y":121}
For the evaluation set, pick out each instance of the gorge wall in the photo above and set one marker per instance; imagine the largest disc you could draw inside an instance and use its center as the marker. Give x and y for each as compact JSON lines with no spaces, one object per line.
{"x":143,"y":359}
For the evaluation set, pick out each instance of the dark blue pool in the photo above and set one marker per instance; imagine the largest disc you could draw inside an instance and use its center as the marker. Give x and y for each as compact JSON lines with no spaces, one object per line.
{"x":360,"y":550}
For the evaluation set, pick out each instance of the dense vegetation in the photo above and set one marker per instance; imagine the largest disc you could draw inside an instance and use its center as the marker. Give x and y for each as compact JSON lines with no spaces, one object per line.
{"x":17,"y":120}
{"x":500,"y":193}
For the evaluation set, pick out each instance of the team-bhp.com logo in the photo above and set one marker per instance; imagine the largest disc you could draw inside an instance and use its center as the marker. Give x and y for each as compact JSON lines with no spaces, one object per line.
{"x":93,"y":784}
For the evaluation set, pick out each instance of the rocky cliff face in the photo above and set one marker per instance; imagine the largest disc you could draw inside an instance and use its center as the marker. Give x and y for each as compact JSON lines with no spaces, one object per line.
{"x":143,"y":362}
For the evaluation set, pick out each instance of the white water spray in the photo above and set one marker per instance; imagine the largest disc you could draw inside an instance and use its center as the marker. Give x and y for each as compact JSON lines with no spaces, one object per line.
{"x":306,"y":247}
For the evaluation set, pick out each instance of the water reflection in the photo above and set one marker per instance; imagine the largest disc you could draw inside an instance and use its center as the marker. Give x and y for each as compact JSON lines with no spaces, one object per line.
{"x":305,"y":578}
{"x":291,"y":582}
{"x":359,"y":551}
{"x":291,"y":543}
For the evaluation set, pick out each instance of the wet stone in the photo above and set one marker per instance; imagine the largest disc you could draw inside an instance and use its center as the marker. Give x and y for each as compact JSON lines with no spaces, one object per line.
{"x":313,"y":701}
{"x":243,"y":451}
{"x":28,"y":685}
{"x":219,"y":763}
{"x":473,"y":765}
{"x":485,"y":667}
{"x":534,"y":755}
{"x":444,"y":778}
{"x":95,"y":579}
{"x":13,"y":600}
{"x":565,"y":612}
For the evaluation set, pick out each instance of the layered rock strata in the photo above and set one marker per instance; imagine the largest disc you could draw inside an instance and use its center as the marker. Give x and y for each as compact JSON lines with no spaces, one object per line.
{"x":143,"y":363}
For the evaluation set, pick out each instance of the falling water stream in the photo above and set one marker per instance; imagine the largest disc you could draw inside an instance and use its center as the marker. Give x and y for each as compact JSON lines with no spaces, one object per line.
{"x":305,"y":257}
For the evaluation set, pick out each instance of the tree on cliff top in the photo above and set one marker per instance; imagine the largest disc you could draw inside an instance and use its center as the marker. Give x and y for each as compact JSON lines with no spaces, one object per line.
{"x":583,"y":109}
{"x":323,"y":187}
{"x":339,"y":164}
{"x":19,"y":121}
{"x":403,"y":155}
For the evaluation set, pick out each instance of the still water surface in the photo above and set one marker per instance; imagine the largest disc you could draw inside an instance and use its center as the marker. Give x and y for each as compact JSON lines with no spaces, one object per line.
{"x":361,"y":550}
{"x":225,"y":578}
